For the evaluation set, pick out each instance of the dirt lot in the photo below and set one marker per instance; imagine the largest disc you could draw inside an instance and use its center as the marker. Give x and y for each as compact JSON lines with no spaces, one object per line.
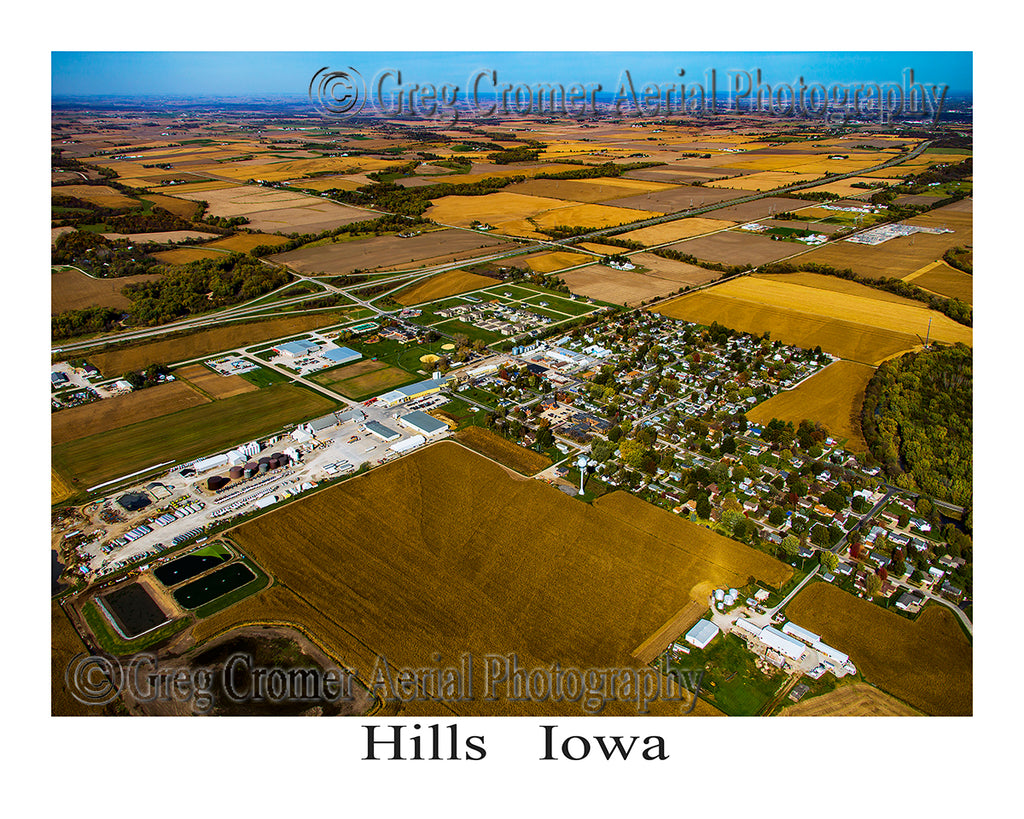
{"x":212,"y":383}
{"x":73,"y":290}
{"x":738,"y":247}
{"x":675,"y":199}
{"x":833,"y":397}
{"x":164,"y":237}
{"x":758,"y":209}
{"x":372,"y":253}
{"x":854,"y":700}
{"x":671,"y":231}
{"x":630,"y":287}
{"x":113,"y":413}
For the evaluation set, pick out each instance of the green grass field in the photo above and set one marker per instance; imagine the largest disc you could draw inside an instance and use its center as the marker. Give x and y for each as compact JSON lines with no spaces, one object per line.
{"x":186,"y":434}
{"x":732,"y":680}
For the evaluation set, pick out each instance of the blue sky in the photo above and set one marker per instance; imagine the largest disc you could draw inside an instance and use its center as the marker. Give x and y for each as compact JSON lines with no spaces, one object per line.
{"x":288,"y":73}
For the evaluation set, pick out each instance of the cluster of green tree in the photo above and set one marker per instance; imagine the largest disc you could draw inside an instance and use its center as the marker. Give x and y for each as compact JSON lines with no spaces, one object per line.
{"x":940,"y":174}
{"x":814,"y":196}
{"x":201,"y":286}
{"x":462,"y":164}
{"x":72,"y":323}
{"x":962,"y":258}
{"x":917,"y":420}
{"x":954,"y":308}
{"x":223,"y":221}
{"x":605,"y":169}
{"x":147,"y":377}
{"x":414,"y":201}
{"x":390,"y":174}
{"x":102,"y":257}
{"x":70,"y":163}
{"x":154,"y":221}
{"x":676,"y":256}
{"x":522,"y":153}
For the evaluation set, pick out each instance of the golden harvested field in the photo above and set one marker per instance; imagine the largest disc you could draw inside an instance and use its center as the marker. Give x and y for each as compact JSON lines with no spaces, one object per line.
{"x":522,"y":460}
{"x":927,"y":663}
{"x":845,"y":187}
{"x":113,"y":413}
{"x":184,"y":255}
{"x":283,"y":171}
{"x":437,"y":287}
{"x":465,"y":570}
{"x":556,"y":260}
{"x":905,"y":254}
{"x":59,"y":489}
{"x":810,"y":164}
{"x":601,"y":250}
{"x":938,"y":277}
{"x":833,"y":397}
{"x":674,"y":231}
{"x":179,"y":207}
{"x":202,"y":187}
{"x":73,"y":290}
{"x":853,"y":700}
{"x":493,"y":208}
{"x":101,"y":195}
{"x":213,"y":383}
{"x":244,"y":242}
{"x":728,"y":562}
{"x":854,"y":324}
{"x":764,"y":181}
{"x":587,"y":190}
{"x":487,"y":171}
{"x":591,"y":216}
{"x":118,"y":360}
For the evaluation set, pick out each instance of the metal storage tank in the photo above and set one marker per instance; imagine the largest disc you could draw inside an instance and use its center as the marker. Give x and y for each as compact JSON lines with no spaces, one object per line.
{"x":279,"y":456}
{"x":216,"y":482}
{"x":235,"y":472}
{"x":264,"y":467}
{"x":264,"y":460}
{"x":251,"y":469}
{"x":274,"y":463}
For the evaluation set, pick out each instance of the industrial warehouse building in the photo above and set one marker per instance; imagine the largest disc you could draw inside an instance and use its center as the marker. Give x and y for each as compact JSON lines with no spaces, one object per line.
{"x":295,"y":349}
{"x":381,"y":431}
{"x":702,"y":633}
{"x":411,"y":391}
{"x":342,"y":355}
{"x":426,"y":425}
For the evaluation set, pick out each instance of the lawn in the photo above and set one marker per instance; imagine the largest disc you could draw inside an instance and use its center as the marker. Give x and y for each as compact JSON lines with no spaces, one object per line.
{"x":185,"y":434}
{"x":732,"y":680}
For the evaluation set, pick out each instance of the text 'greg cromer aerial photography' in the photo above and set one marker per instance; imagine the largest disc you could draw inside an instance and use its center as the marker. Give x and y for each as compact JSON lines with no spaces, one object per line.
{"x":425,"y":385}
